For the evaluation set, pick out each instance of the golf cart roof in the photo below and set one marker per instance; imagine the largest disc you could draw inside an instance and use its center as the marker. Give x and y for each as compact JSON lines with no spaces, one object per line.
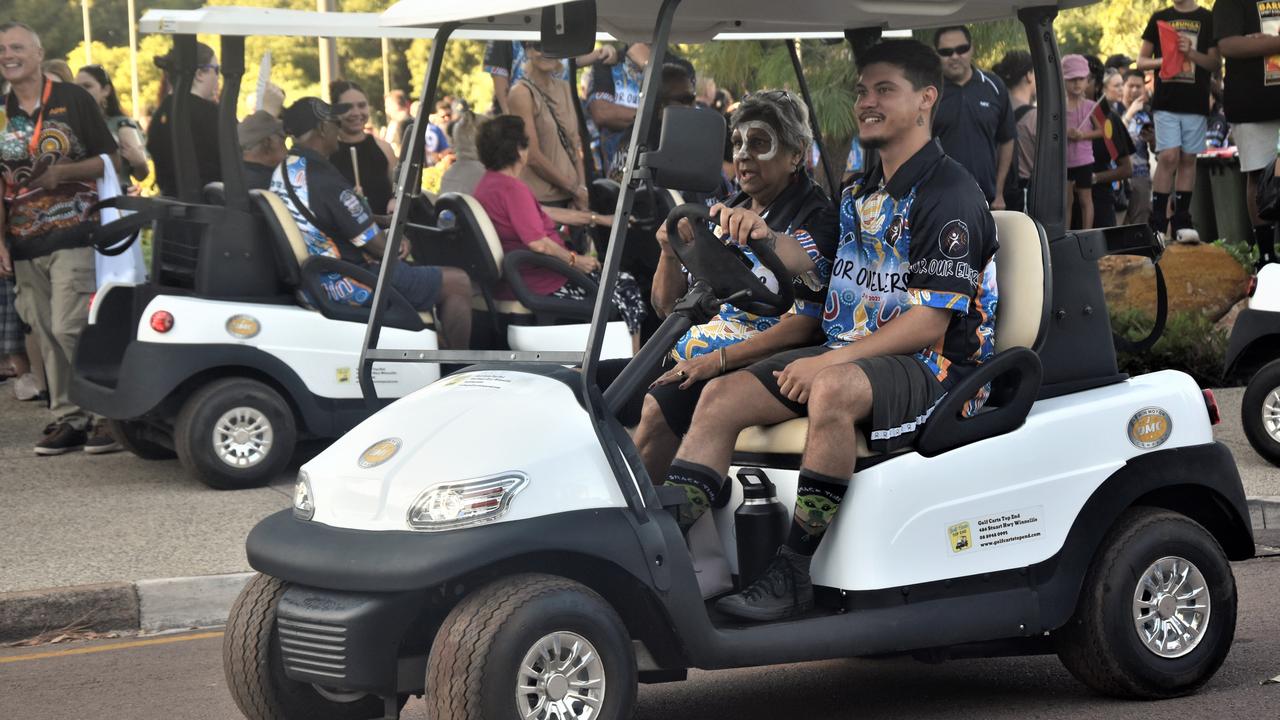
{"x":256,"y":21}
{"x":702,"y":20}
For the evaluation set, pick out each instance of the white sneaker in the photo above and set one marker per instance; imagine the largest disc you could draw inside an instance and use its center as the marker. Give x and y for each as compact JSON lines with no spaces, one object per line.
{"x":1187,"y":236}
{"x":25,"y":388}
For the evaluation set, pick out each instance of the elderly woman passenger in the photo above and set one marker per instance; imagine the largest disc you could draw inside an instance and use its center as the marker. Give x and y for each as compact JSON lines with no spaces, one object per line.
{"x":522,"y":223}
{"x":770,"y":138}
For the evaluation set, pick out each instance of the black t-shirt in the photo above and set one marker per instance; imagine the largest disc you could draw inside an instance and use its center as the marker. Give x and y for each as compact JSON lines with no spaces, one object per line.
{"x":1252,"y":91}
{"x":204,"y":135}
{"x":375,"y":177}
{"x":972,"y":122}
{"x":257,"y":176}
{"x":1188,"y":91}
{"x":1107,"y":154}
{"x":72,"y":128}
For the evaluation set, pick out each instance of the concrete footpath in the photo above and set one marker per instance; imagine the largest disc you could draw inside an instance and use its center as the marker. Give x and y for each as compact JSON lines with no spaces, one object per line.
{"x":116,"y":543}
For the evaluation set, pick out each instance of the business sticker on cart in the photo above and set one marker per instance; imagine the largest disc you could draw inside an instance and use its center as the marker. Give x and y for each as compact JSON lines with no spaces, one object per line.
{"x":996,"y":530}
{"x":243,"y":326}
{"x":380,"y":452}
{"x":1150,"y":427}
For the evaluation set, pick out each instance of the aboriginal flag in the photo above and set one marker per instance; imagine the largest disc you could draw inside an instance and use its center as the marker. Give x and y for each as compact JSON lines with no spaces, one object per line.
{"x":1102,"y":118}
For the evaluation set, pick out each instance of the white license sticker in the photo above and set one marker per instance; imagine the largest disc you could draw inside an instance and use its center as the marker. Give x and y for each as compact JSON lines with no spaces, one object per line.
{"x":996,"y":530}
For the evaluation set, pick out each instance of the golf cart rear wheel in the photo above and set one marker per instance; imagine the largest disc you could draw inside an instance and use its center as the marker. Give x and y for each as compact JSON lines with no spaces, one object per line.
{"x":1157,"y":612}
{"x":532,"y":646}
{"x":235,"y":433}
{"x":1260,"y":412}
{"x":131,"y":435}
{"x":255,"y":672}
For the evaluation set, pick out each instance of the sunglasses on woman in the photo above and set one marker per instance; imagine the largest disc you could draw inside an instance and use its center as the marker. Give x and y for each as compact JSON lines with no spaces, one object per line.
{"x":957,"y":50}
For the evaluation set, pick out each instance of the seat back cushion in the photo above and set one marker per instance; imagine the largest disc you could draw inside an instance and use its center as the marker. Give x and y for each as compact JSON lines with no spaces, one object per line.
{"x":477,"y":224}
{"x":284,"y":227}
{"x":1020,"y":280}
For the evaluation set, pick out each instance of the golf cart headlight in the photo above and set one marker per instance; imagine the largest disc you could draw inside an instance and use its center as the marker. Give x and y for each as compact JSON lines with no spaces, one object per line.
{"x":449,"y":506}
{"x":304,"y":505}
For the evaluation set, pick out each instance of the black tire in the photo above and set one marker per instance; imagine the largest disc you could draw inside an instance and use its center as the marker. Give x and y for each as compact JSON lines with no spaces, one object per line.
{"x":131,"y":434}
{"x":1100,"y":644}
{"x":471,"y":673}
{"x":1255,"y":395}
{"x":193,"y":433}
{"x":255,"y":672}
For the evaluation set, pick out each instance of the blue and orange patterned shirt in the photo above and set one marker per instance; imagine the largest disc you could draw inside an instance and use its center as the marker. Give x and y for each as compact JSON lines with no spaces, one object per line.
{"x":348,"y":223}
{"x":924,"y":238}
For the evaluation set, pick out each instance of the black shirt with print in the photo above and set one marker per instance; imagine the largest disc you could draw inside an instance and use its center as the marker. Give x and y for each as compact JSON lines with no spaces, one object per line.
{"x":1252,"y":85}
{"x":1188,"y":91}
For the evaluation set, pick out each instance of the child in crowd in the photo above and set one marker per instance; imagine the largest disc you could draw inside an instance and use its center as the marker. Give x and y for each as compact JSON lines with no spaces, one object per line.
{"x":1082,"y":130}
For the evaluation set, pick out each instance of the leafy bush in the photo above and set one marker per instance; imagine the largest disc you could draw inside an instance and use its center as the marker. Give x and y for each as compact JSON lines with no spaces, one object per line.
{"x":1190,"y":343}
{"x":1244,"y":254}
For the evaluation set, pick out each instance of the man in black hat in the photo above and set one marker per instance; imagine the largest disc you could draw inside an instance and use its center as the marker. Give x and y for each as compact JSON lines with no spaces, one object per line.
{"x":337,"y":222}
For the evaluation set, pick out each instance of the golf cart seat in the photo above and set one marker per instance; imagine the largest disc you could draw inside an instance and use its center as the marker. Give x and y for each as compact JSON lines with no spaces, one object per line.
{"x":301,"y":271}
{"x":1022,"y":278}
{"x":479,"y":251}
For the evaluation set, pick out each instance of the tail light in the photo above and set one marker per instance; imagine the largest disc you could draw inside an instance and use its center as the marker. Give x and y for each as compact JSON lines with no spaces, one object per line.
{"x":162,"y":321}
{"x":1252,"y":287}
{"x":1211,"y":404}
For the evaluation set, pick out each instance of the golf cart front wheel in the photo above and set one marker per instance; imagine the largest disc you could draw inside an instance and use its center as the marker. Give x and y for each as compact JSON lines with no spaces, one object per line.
{"x":1157,"y":612}
{"x":532,"y":646}
{"x":1260,"y":412}
{"x":255,"y":670}
{"x":132,"y":435}
{"x":235,"y":433}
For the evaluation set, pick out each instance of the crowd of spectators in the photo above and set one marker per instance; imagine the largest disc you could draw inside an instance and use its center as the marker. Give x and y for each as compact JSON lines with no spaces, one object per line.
{"x":1134,"y":130}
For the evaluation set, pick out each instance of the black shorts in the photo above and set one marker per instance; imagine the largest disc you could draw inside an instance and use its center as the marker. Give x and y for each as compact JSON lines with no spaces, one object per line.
{"x":677,"y":405}
{"x":1081,"y":177}
{"x":903,"y":394}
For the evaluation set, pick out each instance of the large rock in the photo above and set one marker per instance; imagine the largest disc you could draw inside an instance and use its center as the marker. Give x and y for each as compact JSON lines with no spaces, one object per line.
{"x":1201,"y":278}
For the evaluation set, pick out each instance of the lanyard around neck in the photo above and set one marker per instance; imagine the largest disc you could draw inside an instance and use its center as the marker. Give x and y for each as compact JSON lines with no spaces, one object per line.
{"x":34,"y":144}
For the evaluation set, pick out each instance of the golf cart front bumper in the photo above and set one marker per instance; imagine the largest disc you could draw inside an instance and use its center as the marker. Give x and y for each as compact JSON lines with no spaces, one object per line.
{"x":363,"y":606}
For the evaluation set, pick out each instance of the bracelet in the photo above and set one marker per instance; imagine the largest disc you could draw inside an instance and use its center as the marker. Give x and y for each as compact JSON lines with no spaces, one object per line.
{"x":573,"y":258}
{"x":593,"y":219}
{"x":724,"y":362}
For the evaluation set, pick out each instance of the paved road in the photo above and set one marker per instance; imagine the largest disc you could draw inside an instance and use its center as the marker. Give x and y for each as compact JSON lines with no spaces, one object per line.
{"x":181,"y":676}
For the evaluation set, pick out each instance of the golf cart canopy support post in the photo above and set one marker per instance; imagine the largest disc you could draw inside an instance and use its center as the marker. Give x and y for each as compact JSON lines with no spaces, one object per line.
{"x":833,"y":180}
{"x":1048,"y":195}
{"x":185,"y":174}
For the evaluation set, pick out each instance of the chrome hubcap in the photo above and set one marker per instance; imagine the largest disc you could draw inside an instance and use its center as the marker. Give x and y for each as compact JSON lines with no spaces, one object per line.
{"x":1271,"y":414}
{"x":1171,"y":607}
{"x":242,"y":437}
{"x":560,"y":678}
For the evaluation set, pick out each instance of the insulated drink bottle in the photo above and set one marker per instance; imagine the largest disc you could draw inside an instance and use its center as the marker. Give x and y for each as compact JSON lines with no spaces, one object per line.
{"x":758,"y":525}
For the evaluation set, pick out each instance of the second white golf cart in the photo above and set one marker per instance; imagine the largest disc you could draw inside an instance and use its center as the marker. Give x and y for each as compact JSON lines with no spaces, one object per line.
{"x":494,"y":543}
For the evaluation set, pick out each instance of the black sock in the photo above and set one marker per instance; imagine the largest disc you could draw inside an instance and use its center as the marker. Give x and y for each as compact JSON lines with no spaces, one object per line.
{"x":1160,"y":211}
{"x":700,"y":483}
{"x":1182,"y":202}
{"x":817,"y":499}
{"x":1264,"y":236}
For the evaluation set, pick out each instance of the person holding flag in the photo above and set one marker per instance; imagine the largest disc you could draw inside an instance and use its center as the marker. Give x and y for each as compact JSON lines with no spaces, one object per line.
{"x":1112,"y":150}
{"x":1179,"y":44}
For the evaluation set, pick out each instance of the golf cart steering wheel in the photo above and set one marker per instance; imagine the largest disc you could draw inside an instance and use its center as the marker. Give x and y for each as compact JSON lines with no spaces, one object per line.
{"x":727,"y":271}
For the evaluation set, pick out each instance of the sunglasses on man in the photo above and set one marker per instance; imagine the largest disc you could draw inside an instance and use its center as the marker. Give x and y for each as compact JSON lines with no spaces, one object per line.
{"x":957,"y":50}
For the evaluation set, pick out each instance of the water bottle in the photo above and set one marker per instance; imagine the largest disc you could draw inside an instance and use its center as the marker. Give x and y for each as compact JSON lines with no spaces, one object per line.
{"x":758,"y":525}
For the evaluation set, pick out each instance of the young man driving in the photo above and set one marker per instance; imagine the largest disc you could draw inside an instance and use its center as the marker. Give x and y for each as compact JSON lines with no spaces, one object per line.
{"x":910,"y":311}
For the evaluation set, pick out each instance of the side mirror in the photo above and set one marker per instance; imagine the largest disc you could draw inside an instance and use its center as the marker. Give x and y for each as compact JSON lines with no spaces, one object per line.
{"x":569,"y":29}
{"x":689,"y":152}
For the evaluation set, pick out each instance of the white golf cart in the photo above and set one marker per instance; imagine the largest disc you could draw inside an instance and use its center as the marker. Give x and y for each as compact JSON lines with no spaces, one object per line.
{"x":1253,"y":354}
{"x":233,"y":351}
{"x":494,"y":542}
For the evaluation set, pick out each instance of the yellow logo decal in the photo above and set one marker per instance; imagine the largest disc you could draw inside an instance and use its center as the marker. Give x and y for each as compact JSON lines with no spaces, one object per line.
{"x":344,"y":375}
{"x":960,"y":536}
{"x":380,"y":452}
{"x":1150,"y":427}
{"x":243,"y":326}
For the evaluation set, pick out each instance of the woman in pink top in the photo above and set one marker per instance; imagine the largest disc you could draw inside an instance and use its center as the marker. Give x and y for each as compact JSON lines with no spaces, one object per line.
{"x":523,"y":224}
{"x":1081,"y":132}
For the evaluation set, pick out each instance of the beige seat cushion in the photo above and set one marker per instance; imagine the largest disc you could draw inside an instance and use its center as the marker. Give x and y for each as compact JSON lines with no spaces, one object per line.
{"x":297,"y":245}
{"x":786,"y":438}
{"x":505,"y":307}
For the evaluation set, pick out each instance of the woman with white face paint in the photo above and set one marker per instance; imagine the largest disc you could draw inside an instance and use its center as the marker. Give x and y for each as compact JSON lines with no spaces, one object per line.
{"x":770,"y":138}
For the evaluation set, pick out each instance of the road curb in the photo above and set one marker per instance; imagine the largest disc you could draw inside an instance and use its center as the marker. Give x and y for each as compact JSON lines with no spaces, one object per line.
{"x":205,"y":601}
{"x":145,"y":605}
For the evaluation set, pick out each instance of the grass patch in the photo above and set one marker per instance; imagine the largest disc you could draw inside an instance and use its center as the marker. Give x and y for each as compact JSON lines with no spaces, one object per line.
{"x":1190,"y":343}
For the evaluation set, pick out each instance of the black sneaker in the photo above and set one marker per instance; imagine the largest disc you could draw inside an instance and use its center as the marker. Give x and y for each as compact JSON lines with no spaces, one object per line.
{"x":784,"y":591}
{"x":101,"y":441}
{"x":63,"y":439}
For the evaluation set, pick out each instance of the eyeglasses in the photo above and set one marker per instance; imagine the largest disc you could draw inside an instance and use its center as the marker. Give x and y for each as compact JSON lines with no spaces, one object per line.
{"x":210,"y":66}
{"x":957,"y":50}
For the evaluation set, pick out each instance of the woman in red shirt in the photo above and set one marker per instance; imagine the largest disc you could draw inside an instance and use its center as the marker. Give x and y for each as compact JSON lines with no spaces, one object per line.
{"x":522,"y":223}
